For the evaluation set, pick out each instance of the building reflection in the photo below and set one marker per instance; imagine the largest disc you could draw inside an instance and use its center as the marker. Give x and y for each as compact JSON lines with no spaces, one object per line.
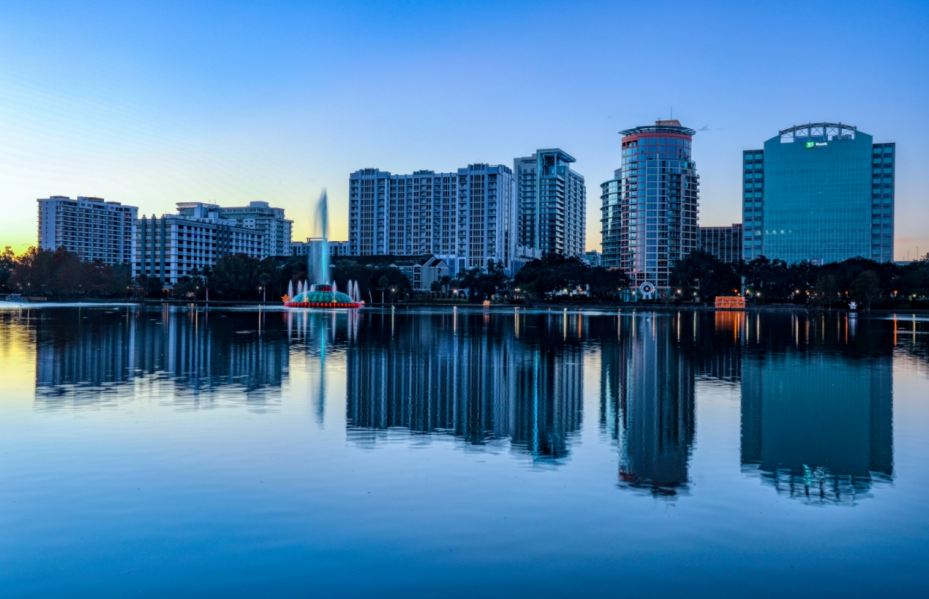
{"x":647,"y":403}
{"x":100,"y":355}
{"x":818,"y":427}
{"x":485,"y":380}
{"x":817,"y":407}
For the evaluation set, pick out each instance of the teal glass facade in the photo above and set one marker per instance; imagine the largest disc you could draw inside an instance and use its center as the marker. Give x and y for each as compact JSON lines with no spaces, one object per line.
{"x":822,"y":192}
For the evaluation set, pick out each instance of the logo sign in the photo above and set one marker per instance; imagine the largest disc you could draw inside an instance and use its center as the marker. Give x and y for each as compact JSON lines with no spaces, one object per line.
{"x":815,"y":144}
{"x":647,"y":288}
{"x":810,"y":144}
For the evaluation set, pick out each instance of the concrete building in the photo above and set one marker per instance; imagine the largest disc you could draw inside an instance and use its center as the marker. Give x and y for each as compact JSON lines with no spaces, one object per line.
{"x":173,"y":246}
{"x":552,"y":201}
{"x":725,"y":243}
{"x":820,"y":192}
{"x":649,"y":209}
{"x":336,"y":248}
{"x":92,"y":228}
{"x":467,"y":218}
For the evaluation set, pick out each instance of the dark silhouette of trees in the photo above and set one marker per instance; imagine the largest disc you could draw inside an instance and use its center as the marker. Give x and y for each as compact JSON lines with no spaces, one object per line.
{"x":541,"y":278}
{"x":702,"y":276}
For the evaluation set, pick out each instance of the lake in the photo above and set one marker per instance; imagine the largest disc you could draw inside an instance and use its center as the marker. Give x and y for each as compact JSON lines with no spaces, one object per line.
{"x":462,"y":453}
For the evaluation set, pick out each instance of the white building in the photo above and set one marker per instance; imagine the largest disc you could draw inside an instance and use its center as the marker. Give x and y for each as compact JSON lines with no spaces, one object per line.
{"x":271,"y":222}
{"x":466,"y":218}
{"x":92,"y":228}
{"x":173,"y":246}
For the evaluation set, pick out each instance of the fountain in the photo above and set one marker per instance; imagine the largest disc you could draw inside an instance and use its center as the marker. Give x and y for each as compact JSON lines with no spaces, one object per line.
{"x":320,"y":291}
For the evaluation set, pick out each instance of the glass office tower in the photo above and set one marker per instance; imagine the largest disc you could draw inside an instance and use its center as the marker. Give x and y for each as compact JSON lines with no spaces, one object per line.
{"x":649,"y":208}
{"x":820,"y":192}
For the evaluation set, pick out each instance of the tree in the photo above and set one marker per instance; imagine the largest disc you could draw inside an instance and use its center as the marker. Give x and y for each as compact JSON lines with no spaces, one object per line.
{"x":703,"y":276}
{"x":235,"y":277}
{"x":866,"y":288}
{"x":7,"y":264}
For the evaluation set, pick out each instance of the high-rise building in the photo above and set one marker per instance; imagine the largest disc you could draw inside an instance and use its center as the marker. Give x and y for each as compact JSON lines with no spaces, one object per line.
{"x":820,"y":192}
{"x":552,"y":202}
{"x":92,"y":228}
{"x":649,"y":209}
{"x":274,"y":227}
{"x":467,"y":218}
{"x":725,"y":243}
{"x":173,"y":246}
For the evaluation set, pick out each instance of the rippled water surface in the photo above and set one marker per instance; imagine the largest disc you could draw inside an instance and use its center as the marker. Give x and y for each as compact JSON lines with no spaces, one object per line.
{"x":462,"y":453}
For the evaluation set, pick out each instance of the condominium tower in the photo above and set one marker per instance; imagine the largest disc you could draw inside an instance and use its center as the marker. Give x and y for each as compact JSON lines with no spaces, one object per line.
{"x":552,"y":202}
{"x":468,"y":218}
{"x":820,"y":192}
{"x":649,"y":208}
{"x":92,"y":228}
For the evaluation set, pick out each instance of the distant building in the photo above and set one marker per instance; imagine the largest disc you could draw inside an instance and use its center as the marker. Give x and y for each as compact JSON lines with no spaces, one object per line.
{"x":723,"y":242}
{"x":339,"y":248}
{"x":422,"y":271}
{"x":593,"y":258}
{"x":649,"y":209}
{"x":92,"y":228}
{"x":820,"y":192}
{"x":336,"y":248}
{"x":552,"y":202}
{"x":274,"y":227}
{"x":467,"y":218}
{"x":174,"y":246}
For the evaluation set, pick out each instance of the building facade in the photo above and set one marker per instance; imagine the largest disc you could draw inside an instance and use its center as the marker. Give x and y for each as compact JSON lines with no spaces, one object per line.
{"x":271,"y":222}
{"x":725,"y":243}
{"x":552,"y":201}
{"x":820,"y":192}
{"x":94,"y":229}
{"x":649,"y":208}
{"x":174,"y":246}
{"x":466,"y":218}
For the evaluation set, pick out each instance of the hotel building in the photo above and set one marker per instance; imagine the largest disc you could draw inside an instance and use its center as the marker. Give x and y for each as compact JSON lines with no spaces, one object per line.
{"x":92,"y":228}
{"x":173,"y":246}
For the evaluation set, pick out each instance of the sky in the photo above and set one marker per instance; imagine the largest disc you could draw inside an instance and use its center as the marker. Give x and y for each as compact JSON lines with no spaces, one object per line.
{"x":151,"y":104}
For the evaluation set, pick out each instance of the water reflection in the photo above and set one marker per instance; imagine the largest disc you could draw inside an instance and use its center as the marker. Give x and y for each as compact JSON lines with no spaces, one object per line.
{"x":647,"y":397}
{"x":99,"y":356}
{"x":815,"y":392}
{"x":480,"y":379}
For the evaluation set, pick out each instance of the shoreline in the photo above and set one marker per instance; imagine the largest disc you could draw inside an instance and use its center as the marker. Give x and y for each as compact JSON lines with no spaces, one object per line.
{"x":603,"y":307}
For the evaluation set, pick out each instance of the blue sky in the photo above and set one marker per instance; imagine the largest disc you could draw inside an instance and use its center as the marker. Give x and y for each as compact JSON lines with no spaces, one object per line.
{"x":156,"y":103}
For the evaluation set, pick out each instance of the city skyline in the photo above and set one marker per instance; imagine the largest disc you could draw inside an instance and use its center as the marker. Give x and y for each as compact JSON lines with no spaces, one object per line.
{"x":119,"y":114}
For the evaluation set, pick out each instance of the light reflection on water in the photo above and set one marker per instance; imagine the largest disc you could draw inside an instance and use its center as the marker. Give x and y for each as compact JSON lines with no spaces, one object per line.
{"x":472,"y":450}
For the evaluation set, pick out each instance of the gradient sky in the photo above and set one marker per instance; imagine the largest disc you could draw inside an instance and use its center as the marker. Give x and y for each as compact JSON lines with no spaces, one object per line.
{"x":155,"y":103}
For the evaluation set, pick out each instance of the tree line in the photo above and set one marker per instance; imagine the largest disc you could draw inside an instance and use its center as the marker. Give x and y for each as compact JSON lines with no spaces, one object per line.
{"x":701,"y":277}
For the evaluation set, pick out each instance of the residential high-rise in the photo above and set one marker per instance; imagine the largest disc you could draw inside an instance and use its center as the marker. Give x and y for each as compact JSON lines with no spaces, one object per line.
{"x":552,"y":202}
{"x":467,"y":218}
{"x":725,"y":243}
{"x":274,"y":227}
{"x":174,"y":246}
{"x":92,"y":228}
{"x":820,"y":192}
{"x":649,"y":209}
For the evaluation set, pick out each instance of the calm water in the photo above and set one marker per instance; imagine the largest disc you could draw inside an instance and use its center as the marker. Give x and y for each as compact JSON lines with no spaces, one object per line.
{"x":466,"y":453}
